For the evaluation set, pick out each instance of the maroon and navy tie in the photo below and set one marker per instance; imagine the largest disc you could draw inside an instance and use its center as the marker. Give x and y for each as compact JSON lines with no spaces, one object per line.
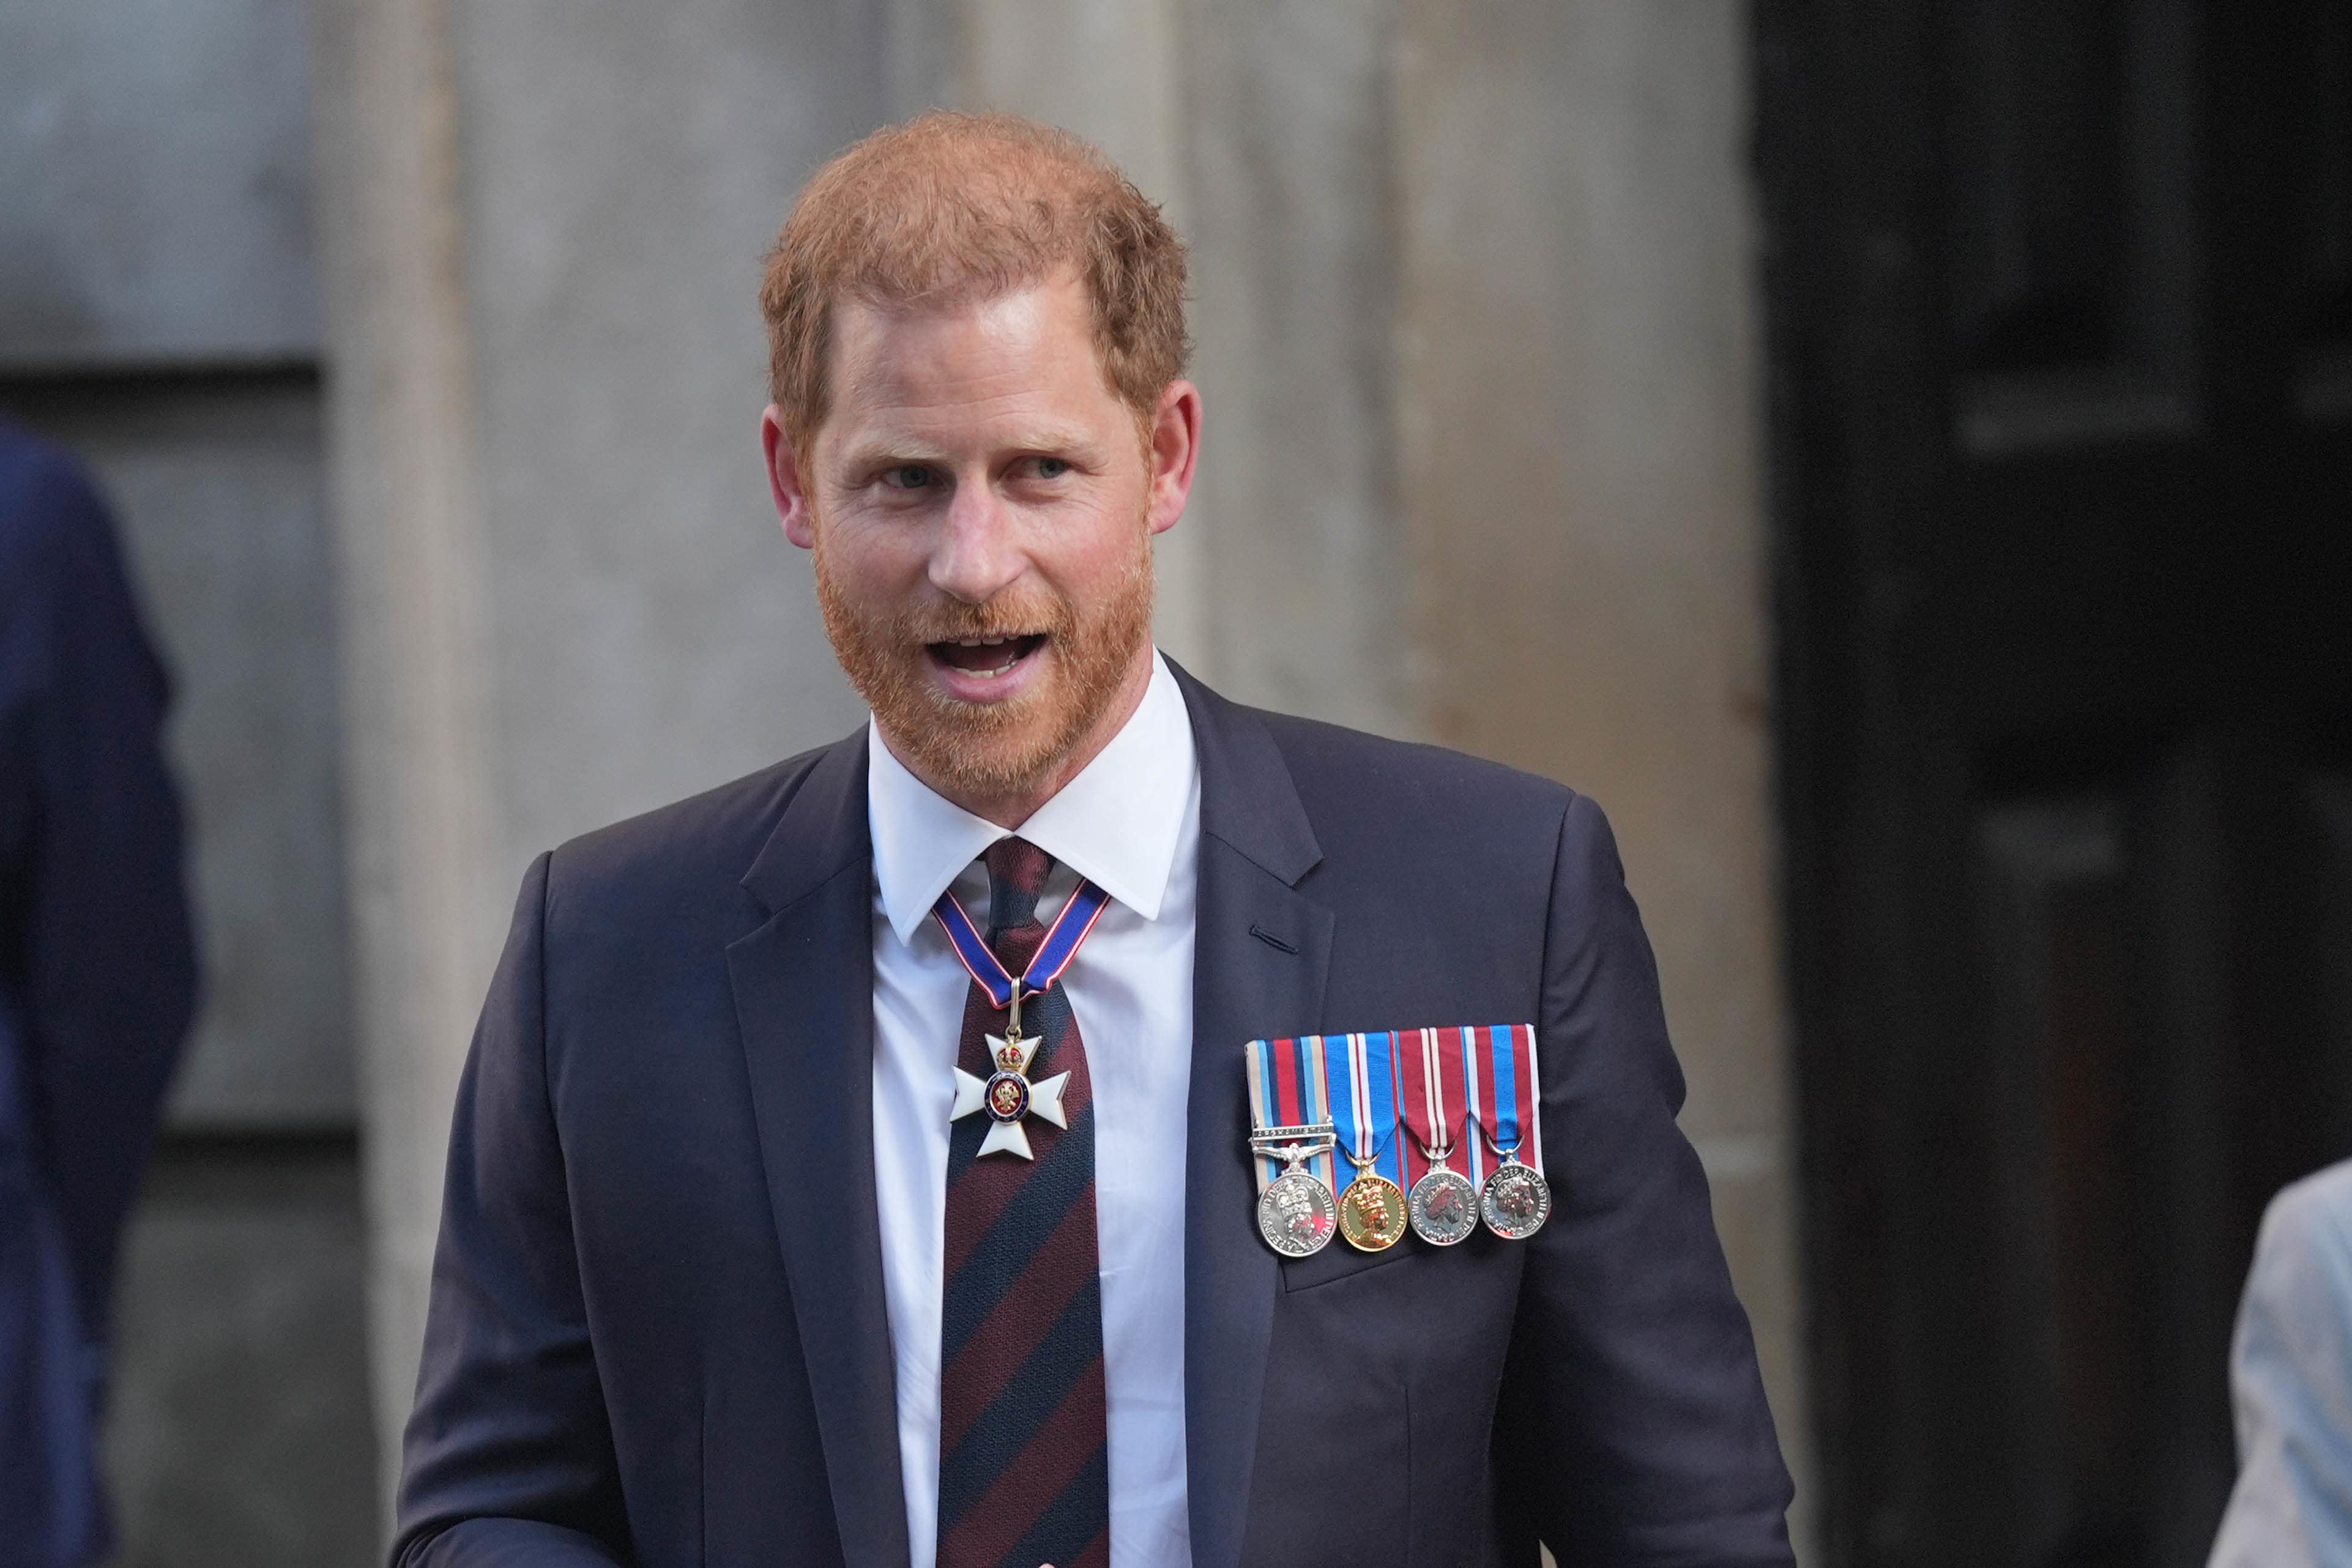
{"x":1024,"y":1453}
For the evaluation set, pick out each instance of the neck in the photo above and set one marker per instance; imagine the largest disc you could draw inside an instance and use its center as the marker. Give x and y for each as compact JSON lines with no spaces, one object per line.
{"x":1009,"y":809}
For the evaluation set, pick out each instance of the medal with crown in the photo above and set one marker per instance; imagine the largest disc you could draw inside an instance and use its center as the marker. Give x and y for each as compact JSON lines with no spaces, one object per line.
{"x":1006,"y":1095}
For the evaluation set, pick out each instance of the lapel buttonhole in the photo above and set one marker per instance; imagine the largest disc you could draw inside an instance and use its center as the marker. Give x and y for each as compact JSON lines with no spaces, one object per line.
{"x":1271,"y":940}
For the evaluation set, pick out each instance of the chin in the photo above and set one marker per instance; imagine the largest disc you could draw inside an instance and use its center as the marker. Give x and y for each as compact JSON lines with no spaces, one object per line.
{"x":989,"y":749}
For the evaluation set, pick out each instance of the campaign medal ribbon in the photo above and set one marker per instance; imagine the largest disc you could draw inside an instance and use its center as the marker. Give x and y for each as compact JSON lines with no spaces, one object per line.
{"x":1373,"y":1208}
{"x":1006,"y":1095}
{"x":1290,"y":1127}
{"x":1514,"y":1199}
{"x":1443,"y":1204}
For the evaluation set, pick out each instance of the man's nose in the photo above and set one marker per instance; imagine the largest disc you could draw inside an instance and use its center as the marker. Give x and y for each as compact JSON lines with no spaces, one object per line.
{"x":977,"y":555}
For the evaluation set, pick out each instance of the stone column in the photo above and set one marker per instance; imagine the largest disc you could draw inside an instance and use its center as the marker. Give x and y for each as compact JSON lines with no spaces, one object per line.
{"x":425,"y":917}
{"x":1288,"y":114}
{"x":1579,"y":418}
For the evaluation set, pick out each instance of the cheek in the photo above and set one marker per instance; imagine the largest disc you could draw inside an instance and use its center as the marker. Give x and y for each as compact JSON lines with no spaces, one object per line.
{"x":1085,"y":561}
{"x":873,"y":560}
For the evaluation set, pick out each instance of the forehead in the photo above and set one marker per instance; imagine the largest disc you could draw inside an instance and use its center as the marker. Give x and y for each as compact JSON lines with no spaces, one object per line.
{"x":932,"y":370}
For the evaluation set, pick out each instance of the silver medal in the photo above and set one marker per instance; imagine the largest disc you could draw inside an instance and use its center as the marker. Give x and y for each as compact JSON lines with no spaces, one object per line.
{"x":1443,"y":1205}
{"x":1515,"y":1201}
{"x":1296,"y":1213}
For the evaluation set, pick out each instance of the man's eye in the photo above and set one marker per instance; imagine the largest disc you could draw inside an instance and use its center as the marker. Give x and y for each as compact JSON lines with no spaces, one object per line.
{"x":907,"y":477}
{"x":1051,"y":467}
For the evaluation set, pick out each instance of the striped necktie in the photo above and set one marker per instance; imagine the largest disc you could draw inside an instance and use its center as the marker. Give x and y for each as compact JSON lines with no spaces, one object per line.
{"x":1024,"y":1455}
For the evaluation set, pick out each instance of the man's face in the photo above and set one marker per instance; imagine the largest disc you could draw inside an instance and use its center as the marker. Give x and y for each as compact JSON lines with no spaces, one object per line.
{"x":980,"y":506}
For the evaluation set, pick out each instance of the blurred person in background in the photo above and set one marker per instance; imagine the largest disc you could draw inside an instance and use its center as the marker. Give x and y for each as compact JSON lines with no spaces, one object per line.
{"x":2291,"y":1380}
{"x":98,"y":979}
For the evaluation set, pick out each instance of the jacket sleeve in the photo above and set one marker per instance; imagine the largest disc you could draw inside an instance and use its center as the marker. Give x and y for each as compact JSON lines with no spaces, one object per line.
{"x":509,"y":1454}
{"x":1633,"y":1427}
{"x":110,"y":971}
{"x":2291,"y":1380}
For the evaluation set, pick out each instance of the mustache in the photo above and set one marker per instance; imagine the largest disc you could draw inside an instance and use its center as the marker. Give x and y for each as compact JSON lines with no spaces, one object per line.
{"x":954,"y":621}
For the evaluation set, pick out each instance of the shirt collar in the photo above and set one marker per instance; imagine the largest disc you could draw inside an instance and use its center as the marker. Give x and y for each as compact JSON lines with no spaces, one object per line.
{"x":1116,"y":824}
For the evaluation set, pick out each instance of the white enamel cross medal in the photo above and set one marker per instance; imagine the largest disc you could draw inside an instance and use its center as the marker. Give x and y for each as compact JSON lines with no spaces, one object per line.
{"x":1006,"y":1095}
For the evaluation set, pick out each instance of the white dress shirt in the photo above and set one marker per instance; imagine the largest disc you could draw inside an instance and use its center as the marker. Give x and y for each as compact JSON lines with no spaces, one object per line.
{"x":1130,"y":823}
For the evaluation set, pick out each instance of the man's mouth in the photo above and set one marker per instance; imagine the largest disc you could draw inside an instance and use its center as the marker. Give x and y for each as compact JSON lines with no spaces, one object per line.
{"x":987,"y":657}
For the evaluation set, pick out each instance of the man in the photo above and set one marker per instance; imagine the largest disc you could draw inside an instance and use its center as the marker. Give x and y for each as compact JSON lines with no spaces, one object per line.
{"x":773,"y":1234}
{"x":97,"y":980}
{"x":2291,"y":1379}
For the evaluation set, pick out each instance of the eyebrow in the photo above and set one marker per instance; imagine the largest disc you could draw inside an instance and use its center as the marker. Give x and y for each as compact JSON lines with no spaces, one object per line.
{"x":885,"y":454}
{"x":882,"y":451}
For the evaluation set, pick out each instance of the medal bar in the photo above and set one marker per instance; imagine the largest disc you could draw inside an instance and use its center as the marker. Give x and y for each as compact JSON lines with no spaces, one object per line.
{"x":1436,"y":1124}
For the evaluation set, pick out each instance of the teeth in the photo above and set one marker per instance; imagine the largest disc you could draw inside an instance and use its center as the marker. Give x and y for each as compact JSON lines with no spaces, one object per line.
{"x":1011,"y":654}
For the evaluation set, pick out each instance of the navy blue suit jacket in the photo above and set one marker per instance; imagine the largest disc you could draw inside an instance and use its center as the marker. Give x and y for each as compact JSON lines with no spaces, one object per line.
{"x":97,"y":977}
{"x":657,"y":1331}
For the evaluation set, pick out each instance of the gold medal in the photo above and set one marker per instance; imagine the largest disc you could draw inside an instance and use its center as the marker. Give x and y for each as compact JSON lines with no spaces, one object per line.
{"x":1372,"y":1210}
{"x":1374,"y":1214}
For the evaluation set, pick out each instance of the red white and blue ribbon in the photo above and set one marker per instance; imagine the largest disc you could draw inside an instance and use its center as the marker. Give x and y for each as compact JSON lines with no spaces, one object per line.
{"x":1288,"y":1088}
{"x":1508,"y":1054}
{"x":1052,"y":954}
{"x":1433,"y":1099}
{"x":1363,"y":1074}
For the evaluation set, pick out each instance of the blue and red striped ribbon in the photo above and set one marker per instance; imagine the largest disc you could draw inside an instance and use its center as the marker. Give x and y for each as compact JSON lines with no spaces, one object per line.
{"x":1052,"y":954}
{"x":1361,"y":1071}
{"x":1511,"y":1119}
{"x":1287,"y":1089}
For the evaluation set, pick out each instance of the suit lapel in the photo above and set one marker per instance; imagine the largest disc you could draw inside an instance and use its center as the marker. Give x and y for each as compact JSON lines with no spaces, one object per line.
{"x":1261,"y":953}
{"x":804,"y":999}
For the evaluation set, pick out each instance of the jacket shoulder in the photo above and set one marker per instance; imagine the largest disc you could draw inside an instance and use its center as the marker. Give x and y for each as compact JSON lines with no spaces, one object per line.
{"x":1456,"y":833}
{"x":2313,"y":1216}
{"x":1409,"y":784}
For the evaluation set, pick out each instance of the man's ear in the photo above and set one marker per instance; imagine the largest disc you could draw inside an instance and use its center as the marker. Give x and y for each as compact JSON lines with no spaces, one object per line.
{"x":1175,"y":446}
{"x":786,"y":484}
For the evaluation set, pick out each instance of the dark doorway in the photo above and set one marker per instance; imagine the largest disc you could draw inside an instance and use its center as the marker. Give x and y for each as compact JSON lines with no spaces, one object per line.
{"x":2060,"y":313}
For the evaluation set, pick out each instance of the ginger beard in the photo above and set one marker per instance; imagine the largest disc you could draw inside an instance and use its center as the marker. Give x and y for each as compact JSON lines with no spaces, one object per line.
{"x":988,"y":748}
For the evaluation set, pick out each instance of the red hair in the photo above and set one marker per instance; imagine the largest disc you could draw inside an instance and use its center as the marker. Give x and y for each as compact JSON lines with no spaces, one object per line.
{"x":951,"y":209}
